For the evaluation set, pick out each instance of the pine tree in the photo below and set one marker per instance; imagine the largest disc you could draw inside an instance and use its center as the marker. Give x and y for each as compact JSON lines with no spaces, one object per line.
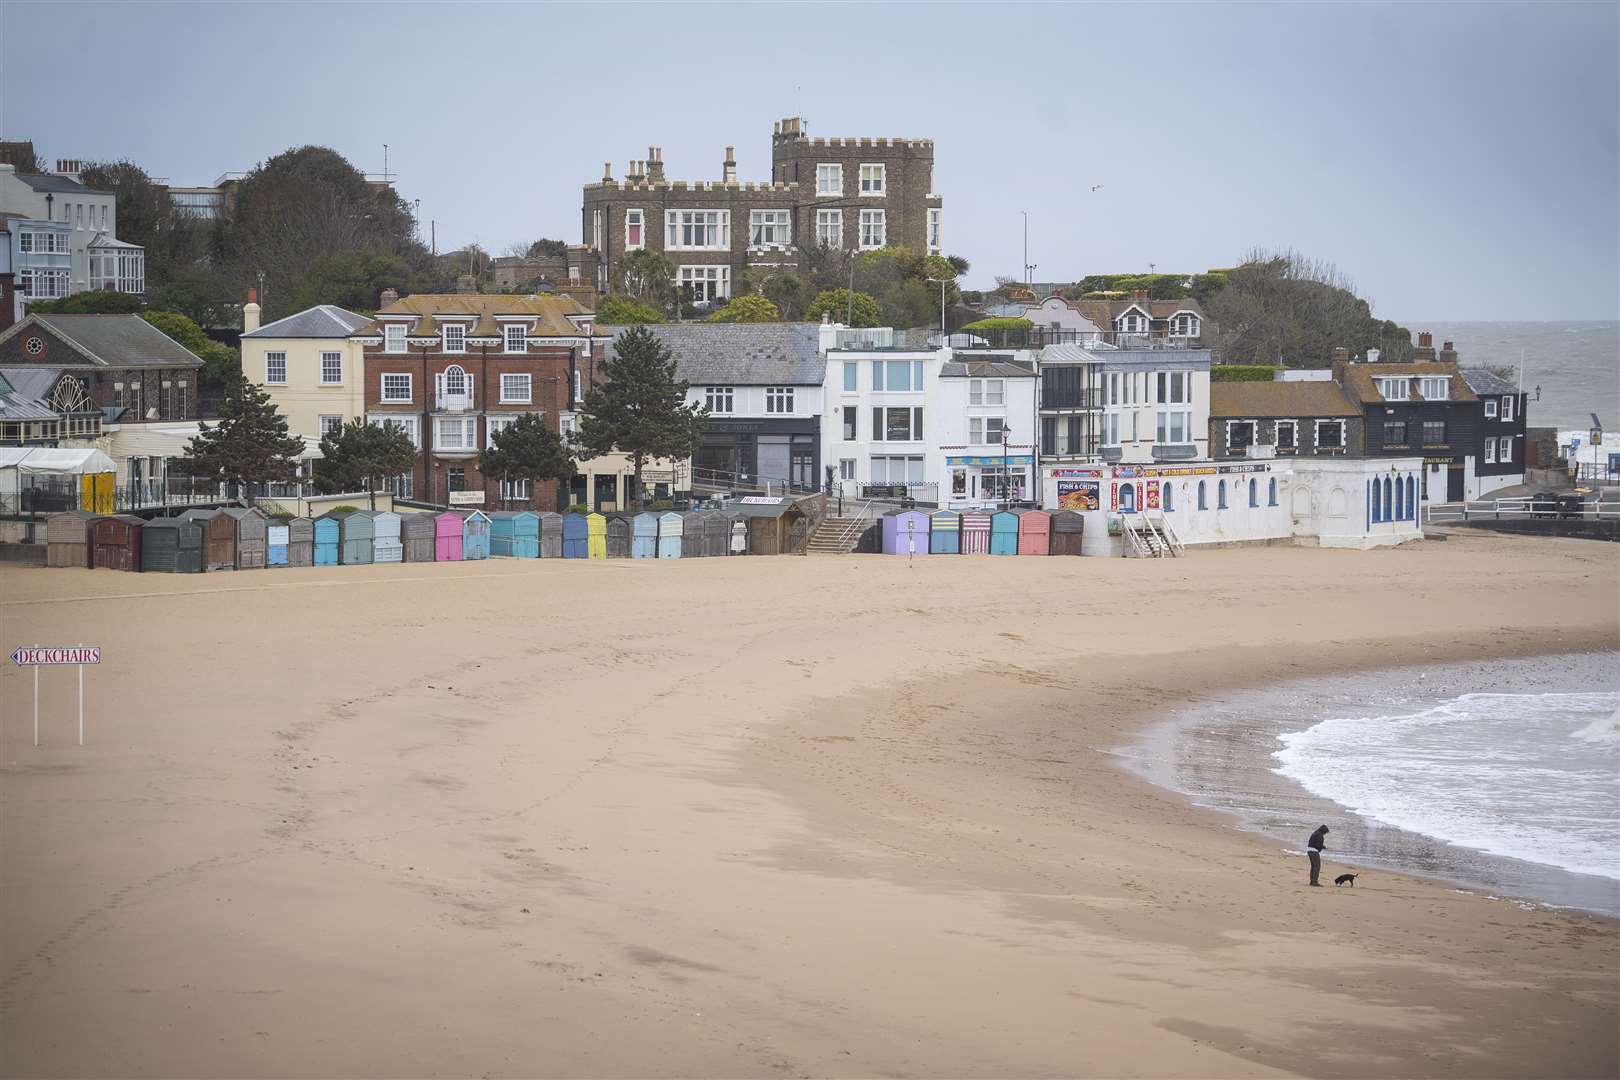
{"x":362,"y":453}
{"x":249,"y":445}
{"x":527,"y":450}
{"x":640,"y":408}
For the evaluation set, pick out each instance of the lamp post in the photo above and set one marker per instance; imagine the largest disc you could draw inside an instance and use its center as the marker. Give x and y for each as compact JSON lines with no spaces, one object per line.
{"x":942,"y":282}
{"x":1006,"y":470}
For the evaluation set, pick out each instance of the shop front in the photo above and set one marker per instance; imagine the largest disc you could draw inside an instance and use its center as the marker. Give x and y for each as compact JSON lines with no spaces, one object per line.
{"x":983,"y":481}
{"x":763,"y":451}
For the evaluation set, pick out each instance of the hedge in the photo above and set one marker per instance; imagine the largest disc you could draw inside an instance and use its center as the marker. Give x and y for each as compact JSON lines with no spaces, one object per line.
{"x":1242,"y":372}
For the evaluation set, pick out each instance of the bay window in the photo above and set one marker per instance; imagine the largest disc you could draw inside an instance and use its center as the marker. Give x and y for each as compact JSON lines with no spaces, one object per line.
{"x":455,"y":434}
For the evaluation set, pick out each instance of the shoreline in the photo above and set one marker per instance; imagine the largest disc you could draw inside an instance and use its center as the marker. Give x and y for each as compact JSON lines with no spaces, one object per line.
{"x":1174,"y":750}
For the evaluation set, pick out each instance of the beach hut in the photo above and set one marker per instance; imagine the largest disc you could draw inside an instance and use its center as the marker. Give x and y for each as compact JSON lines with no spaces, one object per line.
{"x":1034,"y":533}
{"x":551,"y":536}
{"x":671,"y":535}
{"x":252,"y":536}
{"x":117,"y":542}
{"x":67,"y":539}
{"x":417,"y":533}
{"x":387,"y":545}
{"x":328,"y":536}
{"x":717,"y":528}
{"x":220,"y":527}
{"x":595,"y":536}
{"x":617,"y":532}
{"x":905,"y":532}
{"x":300,"y":541}
{"x":515,"y":534}
{"x":356,"y":533}
{"x":173,"y":545}
{"x":276,"y":535}
{"x":944,"y":533}
{"x":1066,"y":528}
{"x":692,"y":545}
{"x":474,"y":534}
{"x":576,"y":536}
{"x":975,"y":533}
{"x":447,"y":533}
{"x":1004,"y":533}
{"x":738,"y":543}
{"x":644,"y":536}
{"x":771,"y":527}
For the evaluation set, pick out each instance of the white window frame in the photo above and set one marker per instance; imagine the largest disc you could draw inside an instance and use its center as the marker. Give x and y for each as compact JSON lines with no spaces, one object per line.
{"x":934,"y":222}
{"x":829,"y":179}
{"x":1184,"y":324}
{"x":527,"y":392}
{"x":682,"y":226}
{"x":874,"y":179}
{"x":637,"y":217}
{"x":869,"y":219}
{"x":466,"y":440}
{"x":522,"y":335}
{"x":1276,"y":433}
{"x":1321,"y":425}
{"x":382,"y":387}
{"x":1429,"y":383}
{"x":1505,"y":455}
{"x":1490,"y":408}
{"x":830,"y":228}
{"x":995,"y":391}
{"x":779,"y":400}
{"x":1395,"y":389}
{"x":1507,"y":409}
{"x":333,"y":357}
{"x":270,"y":358}
{"x":778,"y":224}
{"x":846,"y":468}
{"x":324,"y":425}
{"x":394,"y":337}
{"x":720,"y":400}
{"x":1490,"y":451}
{"x":716,"y":280}
{"x":444,"y":338}
{"x":517,"y":489}
{"x":1169,"y":419}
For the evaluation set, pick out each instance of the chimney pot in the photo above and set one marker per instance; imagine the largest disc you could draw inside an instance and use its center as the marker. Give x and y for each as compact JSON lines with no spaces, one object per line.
{"x":1425,"y":340}
{"x":389,"y":296}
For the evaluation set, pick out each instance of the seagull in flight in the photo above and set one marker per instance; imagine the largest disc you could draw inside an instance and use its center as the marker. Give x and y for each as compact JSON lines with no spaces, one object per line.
{"x":1096,"y":187}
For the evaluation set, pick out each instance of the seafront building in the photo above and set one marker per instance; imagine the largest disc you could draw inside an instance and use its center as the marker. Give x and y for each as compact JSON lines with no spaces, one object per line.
{"x":309,"y":364}
{"x":63,"y":238}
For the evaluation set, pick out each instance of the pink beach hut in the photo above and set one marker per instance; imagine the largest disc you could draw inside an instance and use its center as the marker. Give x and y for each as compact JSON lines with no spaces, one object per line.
{"x":1034,"y":533}
{"x":447,"y":529}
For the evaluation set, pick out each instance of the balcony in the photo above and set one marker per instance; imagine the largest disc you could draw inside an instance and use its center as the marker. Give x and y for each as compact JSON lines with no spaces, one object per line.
{"x":1176,"y":451}
{"x":450,"y":402}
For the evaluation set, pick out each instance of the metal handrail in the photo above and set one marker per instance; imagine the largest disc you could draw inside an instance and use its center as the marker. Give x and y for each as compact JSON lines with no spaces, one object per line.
{"x":856,"y":525}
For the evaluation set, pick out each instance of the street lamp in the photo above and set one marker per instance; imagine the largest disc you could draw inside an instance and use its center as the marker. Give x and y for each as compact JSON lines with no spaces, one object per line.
{"x":942,"y":283}
{"x":1006,"y":470}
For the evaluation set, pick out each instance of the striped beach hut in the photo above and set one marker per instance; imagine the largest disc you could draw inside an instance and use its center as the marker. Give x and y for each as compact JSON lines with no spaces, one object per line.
{"x":671,"y":530}
{"x":328,"y":540}
{"x":252,"y":536}
{"x":975,"y":533}
{"x":1066,"y":528}
{"x":551,"y":536}
{"x":595,"y":536}
{"x":1034,"y":533}
{"x":474,"y":534}
{"x":387,"y":543}
{"x":617,"y":532}
{"x":515,"y":534}
{"x":1004,"y":533}
{"x":417,"y":536}
{"x":576,"y":536}
{"x":905,"y":532}
{"x":447,"y":532}
{"x":644,"y":536}
{"x":300,"y":541}
{"x":944,"y":533}
{"x":117,"y":542}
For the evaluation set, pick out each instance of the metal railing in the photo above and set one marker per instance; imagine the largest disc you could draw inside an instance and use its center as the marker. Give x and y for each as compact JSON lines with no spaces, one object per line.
{"x":1594,"y":472}
{"x":1038,"y":337}
{"x":1151,"y":538}
{"x":1566,"y":506}
{"x":712,"y":480}
{"x":445,"y":401}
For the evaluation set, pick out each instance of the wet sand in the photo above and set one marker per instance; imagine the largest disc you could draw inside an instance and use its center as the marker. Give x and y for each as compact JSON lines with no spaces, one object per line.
{"x":824,"y":816}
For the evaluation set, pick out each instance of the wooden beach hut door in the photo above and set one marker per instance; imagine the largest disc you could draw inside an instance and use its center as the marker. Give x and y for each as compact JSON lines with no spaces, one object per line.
{"x":275,"y":544}
{"x":328,"y":536}
{"x":618,"y":537}
{"x":1034,"y":533}
{"x":975,"y":533}
{"x":1066,"y":529}
{"x":670,"y":535}
{"x":575,"y":536}
{"x":692,"y":535}
{"x":717,"y":529}
{"x":945,"y":532}
{"x":117,"y":542}
{"x":387,"y":544}
{"x":644,"y":537}
{"x":301,"y":542}
{"x":252,"y":531}
{"x":1004,"y":533}
{"x":798,"y":535}
{"x":595,"y":536}
{"x":475,"y":535}
{"x":551,"y":535}
{"x":447,"y":529}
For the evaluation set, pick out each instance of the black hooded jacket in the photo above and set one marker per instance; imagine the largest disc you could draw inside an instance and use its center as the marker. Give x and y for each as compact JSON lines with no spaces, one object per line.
{"x":1318,"y":839}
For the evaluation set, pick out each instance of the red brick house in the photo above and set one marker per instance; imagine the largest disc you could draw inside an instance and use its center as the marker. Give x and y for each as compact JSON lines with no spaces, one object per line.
{"x":452,"y":369}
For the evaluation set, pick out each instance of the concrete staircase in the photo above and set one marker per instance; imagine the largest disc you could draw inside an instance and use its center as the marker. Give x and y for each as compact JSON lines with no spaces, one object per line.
{"x":836,"y":536}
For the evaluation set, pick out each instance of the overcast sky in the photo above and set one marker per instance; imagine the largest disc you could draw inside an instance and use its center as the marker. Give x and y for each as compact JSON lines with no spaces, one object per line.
{"x":1455,"y":161}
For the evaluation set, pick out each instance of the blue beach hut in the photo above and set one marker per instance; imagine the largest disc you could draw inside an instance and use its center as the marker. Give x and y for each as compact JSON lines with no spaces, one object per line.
{"x":644,"y":536}
{"x":474,"y":534}
{"x":671,"y":535}
{"x":944,"y":533}
{"x":327,"y":535}
{"x":575,"y":534}
{"x":1004,"y":533}
{"x":905,"y":533}
{"x":515,"y":534}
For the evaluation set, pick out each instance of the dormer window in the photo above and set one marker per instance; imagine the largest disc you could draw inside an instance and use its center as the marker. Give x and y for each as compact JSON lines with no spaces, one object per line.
{"x":394,"y":338}
{"x":517,"y":337}
{"x":1185,"y":324}
{"x":1133,"y":322}
{"x":455,"y":338}
{"x":1433,"y":389}
{"x":1395,"y":389}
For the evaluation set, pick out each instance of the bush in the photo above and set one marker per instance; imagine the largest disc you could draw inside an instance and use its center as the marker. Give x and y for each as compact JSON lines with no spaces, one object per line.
{"x":577,"y":508}
{"x":1241,"y":372}
{"x":747,"y":309}
{"x":344,"y":510}
{"x":663,"y":504}
{"x":837,"y":302}
{"x":623,"y":311}
{"x":999,"y":327}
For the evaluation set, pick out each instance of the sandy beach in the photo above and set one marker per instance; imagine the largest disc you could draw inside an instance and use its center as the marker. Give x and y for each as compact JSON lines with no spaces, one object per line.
{"x":745,"y":817}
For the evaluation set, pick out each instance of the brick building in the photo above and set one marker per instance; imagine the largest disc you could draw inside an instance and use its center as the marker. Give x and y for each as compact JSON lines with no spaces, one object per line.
{"x":853,"y":194}
{"x":452,"y":369}
{"x":128,"y":369}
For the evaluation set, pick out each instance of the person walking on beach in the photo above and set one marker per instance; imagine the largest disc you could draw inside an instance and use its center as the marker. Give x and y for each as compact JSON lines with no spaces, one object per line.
{"x":1313,"y":848}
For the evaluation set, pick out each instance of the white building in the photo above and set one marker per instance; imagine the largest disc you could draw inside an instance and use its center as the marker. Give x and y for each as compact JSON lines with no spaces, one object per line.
{"x":53,"y":210}
{"x":985,"y":452}
{"x":879,"y":425}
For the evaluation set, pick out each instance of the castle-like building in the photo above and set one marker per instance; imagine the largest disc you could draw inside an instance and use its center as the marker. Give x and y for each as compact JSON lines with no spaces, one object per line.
{"x":853,"y":194}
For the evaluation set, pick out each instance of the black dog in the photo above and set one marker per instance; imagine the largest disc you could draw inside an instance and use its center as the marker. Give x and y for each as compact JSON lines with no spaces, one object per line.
{"x":1345,"y":879}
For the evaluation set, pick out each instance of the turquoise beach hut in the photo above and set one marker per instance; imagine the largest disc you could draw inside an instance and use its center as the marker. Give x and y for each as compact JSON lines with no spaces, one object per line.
{"x":327,"y":537}
{"x":515,"y":534}
{"x":474,"y":534}
{"x":945,"y":532}
{"x":1004,"y":533}
{"x":671,"y":532}
{"x":644,"y":536}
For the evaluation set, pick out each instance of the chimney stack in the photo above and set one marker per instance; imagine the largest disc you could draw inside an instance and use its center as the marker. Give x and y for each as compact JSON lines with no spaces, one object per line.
{"x":1341,"y":360}
{"x":1425,"y":347}
{"x":655,"y":164}
{"x":1139,"y":295}
{"x":250,"y":312}
{"x":390,"y":297}
{"x":1448,"y":353}
{"x":730,"y":173}
{"x":607,"y":172}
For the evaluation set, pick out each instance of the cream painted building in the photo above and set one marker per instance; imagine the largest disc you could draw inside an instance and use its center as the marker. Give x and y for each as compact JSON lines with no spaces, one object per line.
{"x":308,"y":365}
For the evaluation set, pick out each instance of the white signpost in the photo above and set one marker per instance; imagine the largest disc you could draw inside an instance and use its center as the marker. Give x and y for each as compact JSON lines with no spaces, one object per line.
{"x":38,"y":656}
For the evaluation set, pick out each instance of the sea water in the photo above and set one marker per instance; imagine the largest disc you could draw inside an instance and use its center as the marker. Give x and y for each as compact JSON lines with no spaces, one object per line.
{"x":1534,"y":777}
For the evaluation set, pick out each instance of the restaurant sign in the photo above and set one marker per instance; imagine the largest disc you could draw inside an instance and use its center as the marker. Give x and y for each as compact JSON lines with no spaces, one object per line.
{"x":466,"y":498}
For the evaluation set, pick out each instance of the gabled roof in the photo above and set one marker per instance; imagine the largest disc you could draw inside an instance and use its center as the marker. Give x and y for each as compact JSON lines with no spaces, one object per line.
{"x":34,"y":382}
{"x":549,"y":311}
{"x":1281,"y":400}
{"x":57,"y":185}
{"x":108,"y":240}
{"x":1359,"y":380}
{"x":1481,"y":381}
{"x":1104,"y":312}
{"x":321,"y":321}
{"x":115,"y":341}
{"x":744,"y":354}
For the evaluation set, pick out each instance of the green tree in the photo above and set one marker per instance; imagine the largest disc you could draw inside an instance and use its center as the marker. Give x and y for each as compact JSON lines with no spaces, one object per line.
{"x":526,"y":449}
{"x":615,"y":310}
{"x":94,"y":302}
{"x":646,"y":276}
{"x":249,"y":445}
{"x":221,"y":363}
{"x":747,"y":309}
{"x":640,"y":409}
{"x":789,"y":292}
{"x":1284,"y":308}
{"x":361,"y":453}
{"x":860,"y":310}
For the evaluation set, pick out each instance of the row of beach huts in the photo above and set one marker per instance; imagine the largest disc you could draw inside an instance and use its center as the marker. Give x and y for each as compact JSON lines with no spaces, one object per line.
{"x":235,"y":538}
